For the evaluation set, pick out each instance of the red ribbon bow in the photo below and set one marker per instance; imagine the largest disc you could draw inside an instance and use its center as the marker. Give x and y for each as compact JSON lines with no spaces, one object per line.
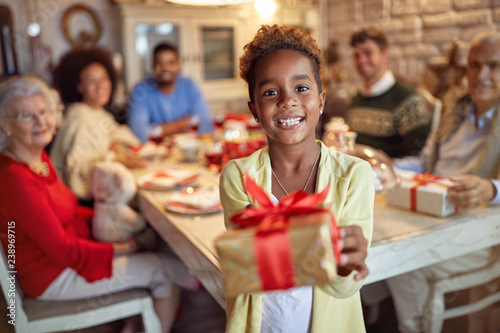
{"x":422,"y":180}
{"x":426,"y":178}
{"x":272,"y":242}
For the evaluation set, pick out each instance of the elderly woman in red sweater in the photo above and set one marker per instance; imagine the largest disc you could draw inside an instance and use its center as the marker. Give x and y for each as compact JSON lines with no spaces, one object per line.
{"x":56,"y":259}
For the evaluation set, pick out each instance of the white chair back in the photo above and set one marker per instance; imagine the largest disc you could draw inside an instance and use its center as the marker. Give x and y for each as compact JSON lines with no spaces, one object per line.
{"x":434,"y":104}
{"x":435,"y":310}
{"x":12,"y":293}
{"x":34,"y":316}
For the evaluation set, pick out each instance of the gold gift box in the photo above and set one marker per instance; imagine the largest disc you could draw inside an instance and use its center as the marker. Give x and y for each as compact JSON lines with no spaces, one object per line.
{"x":311,"y":250}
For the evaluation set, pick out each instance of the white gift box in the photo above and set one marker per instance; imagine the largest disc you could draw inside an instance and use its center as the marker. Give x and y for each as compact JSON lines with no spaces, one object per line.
{"x":429,"y":198}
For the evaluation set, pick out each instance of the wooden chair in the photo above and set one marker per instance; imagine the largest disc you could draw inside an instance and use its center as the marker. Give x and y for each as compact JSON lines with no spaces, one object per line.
{"x":435,"y":313}
{"x":32,"y":315}
{"x":434,"y":104}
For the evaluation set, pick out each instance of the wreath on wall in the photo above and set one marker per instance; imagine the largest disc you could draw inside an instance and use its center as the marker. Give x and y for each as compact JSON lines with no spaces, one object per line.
{"x":83,"y":37}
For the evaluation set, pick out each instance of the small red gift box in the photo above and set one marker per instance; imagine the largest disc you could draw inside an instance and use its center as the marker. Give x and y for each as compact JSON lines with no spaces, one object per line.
{"x":282,"y":246}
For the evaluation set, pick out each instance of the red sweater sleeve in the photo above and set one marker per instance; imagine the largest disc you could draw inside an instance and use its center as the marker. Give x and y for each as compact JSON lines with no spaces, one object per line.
{"x":83,"y":218}
{"x":33,"y":207}
{"x":85,"y":213}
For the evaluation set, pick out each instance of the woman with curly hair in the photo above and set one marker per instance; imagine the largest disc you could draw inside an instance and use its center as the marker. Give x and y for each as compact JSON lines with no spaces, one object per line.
{"x":282,"y":67}
{"x":86,"y":79}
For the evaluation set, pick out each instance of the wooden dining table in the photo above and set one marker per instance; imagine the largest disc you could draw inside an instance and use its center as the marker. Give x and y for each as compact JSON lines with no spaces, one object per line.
{"x":402,"y":240}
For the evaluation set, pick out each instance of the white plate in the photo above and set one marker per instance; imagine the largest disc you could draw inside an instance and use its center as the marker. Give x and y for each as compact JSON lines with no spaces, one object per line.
{"x":190,"y":210}
{"x":150,"y":150}
{"x":180,"y":137}
{"x":167,"y":179}
{"x":201,"y":201}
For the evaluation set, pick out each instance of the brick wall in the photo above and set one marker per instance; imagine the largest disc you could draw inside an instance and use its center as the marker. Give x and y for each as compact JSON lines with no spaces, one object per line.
{"x":420,"y":32}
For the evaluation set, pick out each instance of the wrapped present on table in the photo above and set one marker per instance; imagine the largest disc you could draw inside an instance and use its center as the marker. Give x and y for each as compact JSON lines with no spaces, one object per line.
{"x":291,"y":244}
{"x":423,"y":193}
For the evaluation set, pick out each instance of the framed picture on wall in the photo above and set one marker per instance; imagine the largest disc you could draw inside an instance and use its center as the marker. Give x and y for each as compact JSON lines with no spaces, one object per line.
{"x":81,"y":26}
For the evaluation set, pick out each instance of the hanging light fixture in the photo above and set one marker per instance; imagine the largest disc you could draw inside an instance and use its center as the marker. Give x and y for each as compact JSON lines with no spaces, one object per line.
{"x":209,"y":2}
{"x":265,"y":7}
{"x":33,"y":28}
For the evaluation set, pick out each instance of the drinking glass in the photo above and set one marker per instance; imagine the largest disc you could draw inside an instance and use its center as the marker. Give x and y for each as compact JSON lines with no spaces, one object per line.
{"x":349,"y":140}
{"x":213,"y":154}
{"x":155,"y":134}
{"x":219,"y":120}
{"x":334,"y":133}
{"x":195,"y":123}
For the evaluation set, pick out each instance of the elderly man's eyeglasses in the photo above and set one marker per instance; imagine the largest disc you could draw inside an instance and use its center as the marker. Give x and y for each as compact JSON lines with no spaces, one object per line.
{"x":29,"y":117}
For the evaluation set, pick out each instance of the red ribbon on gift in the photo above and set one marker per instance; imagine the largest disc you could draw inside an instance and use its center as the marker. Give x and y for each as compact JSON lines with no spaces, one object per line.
{"x":422,"y":179}
{"x":272,"y":242}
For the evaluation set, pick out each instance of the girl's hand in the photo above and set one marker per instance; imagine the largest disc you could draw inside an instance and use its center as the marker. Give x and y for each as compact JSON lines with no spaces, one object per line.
{"x":353,"y":247}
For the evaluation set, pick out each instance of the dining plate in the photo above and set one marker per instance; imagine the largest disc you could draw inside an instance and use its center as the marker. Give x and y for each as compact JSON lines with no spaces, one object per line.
{"x":183,"y":209}
{"x":167,"y":179}
{"x":149,"y":150}
{"x":194,"y":201}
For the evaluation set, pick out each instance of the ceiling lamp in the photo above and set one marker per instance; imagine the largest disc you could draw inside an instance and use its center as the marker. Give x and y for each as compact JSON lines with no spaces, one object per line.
{"x":265,"y":7}
{"x":209,"y":2}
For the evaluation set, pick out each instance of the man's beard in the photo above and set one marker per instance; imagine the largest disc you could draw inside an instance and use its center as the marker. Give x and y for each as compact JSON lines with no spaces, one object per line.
{"x":163,"y":83}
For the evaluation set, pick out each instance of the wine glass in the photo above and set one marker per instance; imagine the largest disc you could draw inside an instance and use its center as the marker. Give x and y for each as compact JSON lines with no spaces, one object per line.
{"x":219,"y":120}
{"x":334,"y":133}
{"x":213,"y":154}
{"x":155,"y":134}
{"x":195,"y":123}
{"x":349,"y":140}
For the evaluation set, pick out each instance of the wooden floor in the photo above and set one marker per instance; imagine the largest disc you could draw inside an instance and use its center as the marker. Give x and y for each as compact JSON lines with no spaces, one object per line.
{"x":199,"y":313}
{"x":389,"y":324}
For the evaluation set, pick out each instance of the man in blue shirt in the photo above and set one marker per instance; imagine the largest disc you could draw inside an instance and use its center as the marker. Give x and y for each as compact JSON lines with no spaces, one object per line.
{"x":171,"y":102}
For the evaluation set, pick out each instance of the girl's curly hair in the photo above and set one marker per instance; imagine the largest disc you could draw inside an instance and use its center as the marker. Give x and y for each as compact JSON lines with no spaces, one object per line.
{"x":272,"y":38}
{"x":67,"y":72}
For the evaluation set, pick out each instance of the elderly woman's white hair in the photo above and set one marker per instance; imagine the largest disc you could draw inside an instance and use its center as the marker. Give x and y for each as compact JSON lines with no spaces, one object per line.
{"x":24,"y":87}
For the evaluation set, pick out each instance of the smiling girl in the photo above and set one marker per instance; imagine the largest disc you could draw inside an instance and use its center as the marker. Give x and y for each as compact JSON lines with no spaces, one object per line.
{"x":282,"y":67}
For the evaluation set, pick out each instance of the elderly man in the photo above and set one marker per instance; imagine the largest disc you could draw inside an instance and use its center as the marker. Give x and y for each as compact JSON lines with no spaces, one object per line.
{"x":465,"y":147}
{"x":170,"y":101}
{"x":386,"y":114}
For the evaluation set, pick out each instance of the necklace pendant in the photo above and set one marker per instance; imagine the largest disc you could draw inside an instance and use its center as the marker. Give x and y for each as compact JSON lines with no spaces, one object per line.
{"x":308,"y":178}
{"x":45,"y":169}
